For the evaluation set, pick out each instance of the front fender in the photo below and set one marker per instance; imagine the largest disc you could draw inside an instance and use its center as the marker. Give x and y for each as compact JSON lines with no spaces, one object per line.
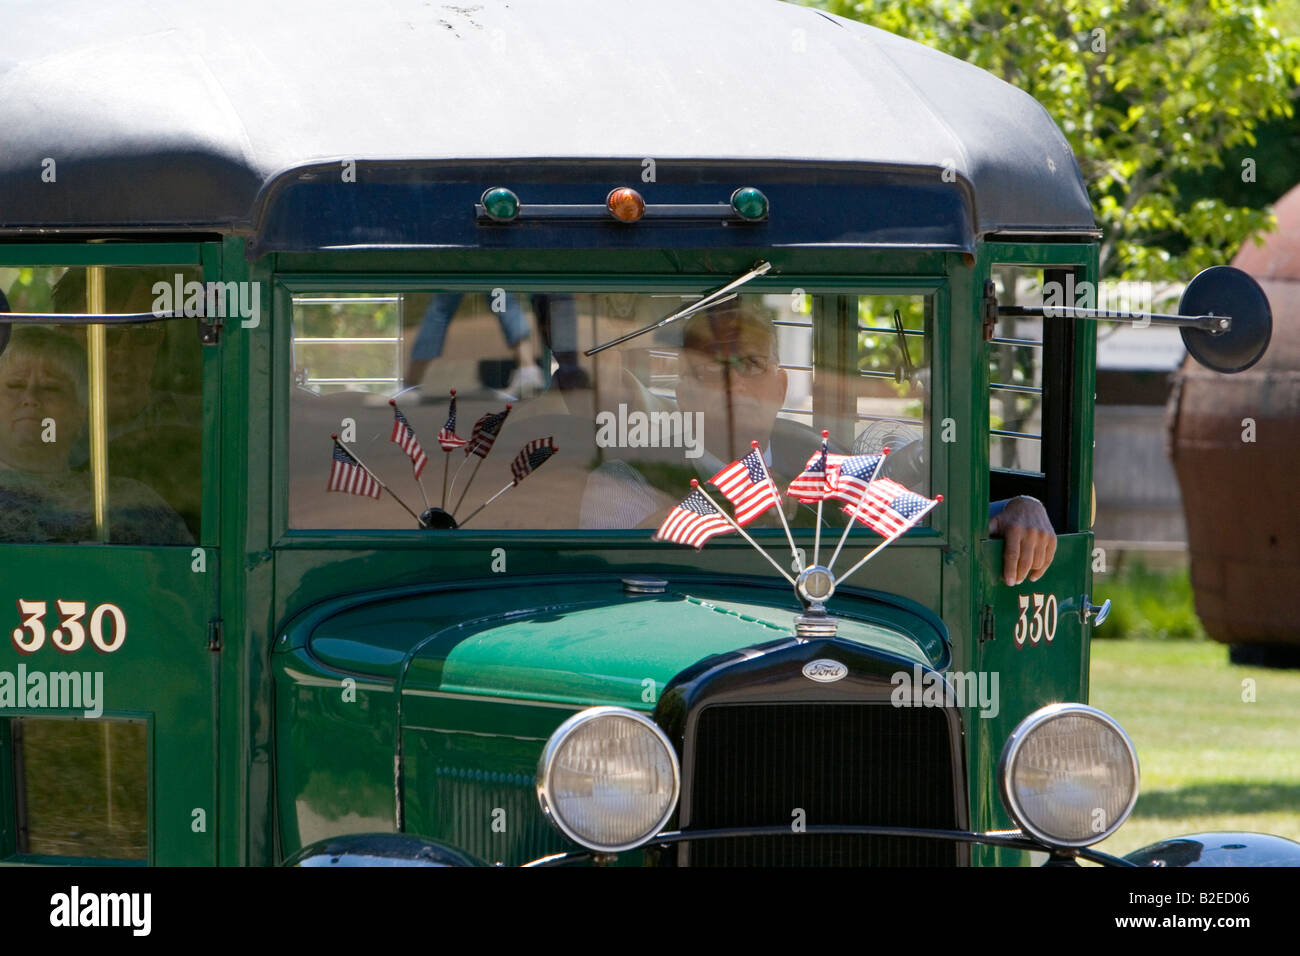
{"x":380,"y":849}
{"x":1219,"y":849}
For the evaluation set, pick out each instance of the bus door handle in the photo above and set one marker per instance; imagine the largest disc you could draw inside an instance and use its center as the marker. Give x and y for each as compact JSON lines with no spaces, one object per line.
{"x":1088,"y":610}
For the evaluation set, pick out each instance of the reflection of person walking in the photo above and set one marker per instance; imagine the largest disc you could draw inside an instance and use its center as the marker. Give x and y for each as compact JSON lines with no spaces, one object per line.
{"x":526,"y":379}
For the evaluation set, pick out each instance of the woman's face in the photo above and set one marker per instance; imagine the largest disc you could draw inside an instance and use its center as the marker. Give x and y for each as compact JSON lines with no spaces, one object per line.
{"x":33,"y":392}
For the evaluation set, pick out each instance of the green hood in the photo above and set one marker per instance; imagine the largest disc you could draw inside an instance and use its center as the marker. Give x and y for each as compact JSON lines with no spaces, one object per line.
{"x":588,"y":643}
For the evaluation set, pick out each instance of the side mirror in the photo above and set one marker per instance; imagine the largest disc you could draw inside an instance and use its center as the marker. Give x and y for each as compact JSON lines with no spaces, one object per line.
{"x":1225,"y":290}
{"x":1223,"y":316}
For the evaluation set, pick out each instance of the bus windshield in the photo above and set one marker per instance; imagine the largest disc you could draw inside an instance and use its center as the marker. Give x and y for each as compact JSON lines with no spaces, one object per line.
{"x":630,"y":425}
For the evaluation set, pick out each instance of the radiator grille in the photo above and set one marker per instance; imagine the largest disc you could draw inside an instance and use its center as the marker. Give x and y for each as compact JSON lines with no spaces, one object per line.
{"x":864,"y":764}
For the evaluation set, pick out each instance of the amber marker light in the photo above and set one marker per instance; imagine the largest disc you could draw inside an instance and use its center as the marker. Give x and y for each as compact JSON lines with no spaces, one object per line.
{"x":625,"y":204}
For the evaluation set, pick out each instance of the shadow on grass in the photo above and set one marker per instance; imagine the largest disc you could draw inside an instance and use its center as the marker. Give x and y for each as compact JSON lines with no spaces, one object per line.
{"x":1219,"y":798}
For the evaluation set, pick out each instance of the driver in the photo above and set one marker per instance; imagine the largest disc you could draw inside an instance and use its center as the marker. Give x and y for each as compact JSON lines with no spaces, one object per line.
{"x":729,"y":373}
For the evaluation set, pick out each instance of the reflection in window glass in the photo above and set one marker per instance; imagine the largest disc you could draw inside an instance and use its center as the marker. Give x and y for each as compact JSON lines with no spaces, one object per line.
{"x":154,"y":414}
{"x":82,"y":788}
{"x":633,"y":424}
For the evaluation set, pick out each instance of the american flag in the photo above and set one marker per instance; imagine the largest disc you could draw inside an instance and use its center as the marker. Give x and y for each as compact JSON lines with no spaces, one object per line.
{"x":347,"y":475}
{"x":816,"y":480}
{"x":485,"y":433}
{"x":692,"y":522}
{"x":853,"y":475}
{"x":404,"y":436}
{"x":891,"y":509}
{"x":747,"y":485}
{"x":531,"y":457}
{"x":448,"y":438}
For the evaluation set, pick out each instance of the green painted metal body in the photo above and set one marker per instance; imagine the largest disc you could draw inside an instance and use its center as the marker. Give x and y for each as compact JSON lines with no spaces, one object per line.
{"x":338,"y":650}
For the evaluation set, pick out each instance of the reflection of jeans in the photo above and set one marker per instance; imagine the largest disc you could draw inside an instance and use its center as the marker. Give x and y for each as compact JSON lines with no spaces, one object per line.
{"x":433,"y":327}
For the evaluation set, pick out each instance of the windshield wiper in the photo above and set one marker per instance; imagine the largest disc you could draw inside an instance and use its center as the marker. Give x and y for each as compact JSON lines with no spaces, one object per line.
{"x":723,"y":294}
{"x":905,"y":371}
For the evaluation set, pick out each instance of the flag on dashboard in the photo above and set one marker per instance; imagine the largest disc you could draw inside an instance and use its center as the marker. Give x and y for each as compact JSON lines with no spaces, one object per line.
{"x":448,"y":438}
{"x":404,"y":437}
{"x":889,"y":508}
{"x":854,"y":474}
{"x":748,"y":486}
{"x":348,"y":476}
{"x":485,"y":433}
{"x":693,"y":522}
{"x":531,"y":457}
{"x":814,"y":483}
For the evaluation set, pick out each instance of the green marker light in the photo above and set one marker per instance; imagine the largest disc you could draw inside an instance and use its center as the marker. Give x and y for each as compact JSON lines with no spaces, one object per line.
{"x":749,"y":203}
{"x":501,"y":204}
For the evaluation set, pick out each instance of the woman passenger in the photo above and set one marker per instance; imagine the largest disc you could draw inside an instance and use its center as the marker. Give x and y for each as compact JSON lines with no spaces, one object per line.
{"x":42,"y":415}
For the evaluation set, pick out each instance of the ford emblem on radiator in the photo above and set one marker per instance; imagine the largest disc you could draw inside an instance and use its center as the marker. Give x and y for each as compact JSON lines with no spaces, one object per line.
{"x":825,"y":671}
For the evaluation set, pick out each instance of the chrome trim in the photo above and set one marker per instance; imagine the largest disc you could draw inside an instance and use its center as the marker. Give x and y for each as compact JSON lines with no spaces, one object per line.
{"x":544,"y":767}
{"x":816,"y":585}
{"x":639,"y":585}
{"x":1003,"y":433}
{"x":1089,"y":609}
{"x":600,"y":212}
{"x":1011,"y":749}
{"x":815,"y":626}
{"x":1027,"y":389}
{"x":1011,"y":839}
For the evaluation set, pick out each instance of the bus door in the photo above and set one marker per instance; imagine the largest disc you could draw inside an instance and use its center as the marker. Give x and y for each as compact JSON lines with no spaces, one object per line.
{"x":108,"y":561}
{"x":1035,"y":635}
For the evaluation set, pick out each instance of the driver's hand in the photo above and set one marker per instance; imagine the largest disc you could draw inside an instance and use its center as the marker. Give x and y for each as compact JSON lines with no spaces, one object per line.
{"x":1031,"y":542}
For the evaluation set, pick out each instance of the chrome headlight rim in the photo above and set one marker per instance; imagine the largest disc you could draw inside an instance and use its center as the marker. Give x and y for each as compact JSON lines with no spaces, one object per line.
{"x":1011,"y":749}
{"x":552,"y":748}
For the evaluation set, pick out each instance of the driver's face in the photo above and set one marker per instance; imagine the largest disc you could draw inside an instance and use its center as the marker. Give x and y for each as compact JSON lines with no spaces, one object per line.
{"x":730,"y":373}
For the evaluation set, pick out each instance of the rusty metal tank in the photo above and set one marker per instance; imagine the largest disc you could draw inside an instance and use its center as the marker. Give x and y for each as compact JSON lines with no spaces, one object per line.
{"x":1241,"y":497}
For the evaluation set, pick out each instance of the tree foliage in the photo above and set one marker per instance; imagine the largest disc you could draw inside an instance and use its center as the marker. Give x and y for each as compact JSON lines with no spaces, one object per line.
{"x":1147,"y":92}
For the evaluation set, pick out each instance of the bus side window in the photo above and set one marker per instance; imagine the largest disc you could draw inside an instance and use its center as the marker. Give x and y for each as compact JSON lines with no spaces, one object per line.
{"x":154,"y":417}
{"x":1029,"y":396}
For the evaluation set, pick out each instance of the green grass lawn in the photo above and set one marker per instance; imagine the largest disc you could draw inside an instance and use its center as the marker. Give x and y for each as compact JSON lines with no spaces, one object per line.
{"x":1209,"y":760}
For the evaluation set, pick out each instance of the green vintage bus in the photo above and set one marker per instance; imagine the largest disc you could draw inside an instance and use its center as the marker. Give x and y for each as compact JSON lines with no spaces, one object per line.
{"x":254,"y":618}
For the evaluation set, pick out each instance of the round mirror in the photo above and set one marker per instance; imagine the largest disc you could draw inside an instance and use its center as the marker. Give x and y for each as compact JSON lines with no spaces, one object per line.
{"x":1225,"y":290}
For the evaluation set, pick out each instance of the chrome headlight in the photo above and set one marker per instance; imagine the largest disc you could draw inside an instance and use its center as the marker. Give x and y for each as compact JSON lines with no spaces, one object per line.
{"x":608,"y":778}
{"x":1069,"y":775}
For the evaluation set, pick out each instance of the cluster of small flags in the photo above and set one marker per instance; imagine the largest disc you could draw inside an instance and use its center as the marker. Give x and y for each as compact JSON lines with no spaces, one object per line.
{"x":350,"y":476}
{"x":881,"y":504}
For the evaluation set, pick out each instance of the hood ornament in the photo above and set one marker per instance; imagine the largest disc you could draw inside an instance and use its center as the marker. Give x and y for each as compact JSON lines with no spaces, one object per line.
{"x":881,"y":504}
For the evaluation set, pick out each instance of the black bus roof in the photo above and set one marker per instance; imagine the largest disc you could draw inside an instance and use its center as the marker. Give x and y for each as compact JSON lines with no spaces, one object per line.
{"x":191,"y":117}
